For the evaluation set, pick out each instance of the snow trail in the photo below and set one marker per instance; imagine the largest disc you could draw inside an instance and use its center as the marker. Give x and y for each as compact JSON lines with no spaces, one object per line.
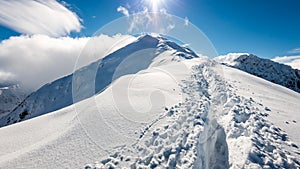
{"x":241,"y":118}
{"x":185,"y":136}
{"x":212,"y":149}
{"x":203,"y":121}
{"x":212,"y":128}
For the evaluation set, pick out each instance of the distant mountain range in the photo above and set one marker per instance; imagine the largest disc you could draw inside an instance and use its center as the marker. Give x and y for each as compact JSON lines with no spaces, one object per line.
{"x":11,"y":95}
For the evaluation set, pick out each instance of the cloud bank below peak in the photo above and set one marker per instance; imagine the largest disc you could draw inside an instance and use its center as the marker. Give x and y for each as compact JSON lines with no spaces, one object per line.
{"x":39,"y":59}
{"x":47,"y":17}
{"x":293,"y":61}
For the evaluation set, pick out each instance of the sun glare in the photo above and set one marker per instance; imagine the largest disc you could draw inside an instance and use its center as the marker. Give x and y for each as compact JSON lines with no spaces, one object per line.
{"x":155,"y":4}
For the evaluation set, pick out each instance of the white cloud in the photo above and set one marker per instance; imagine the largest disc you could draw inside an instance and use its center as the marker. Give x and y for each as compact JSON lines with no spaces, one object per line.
{"x":293,"y":61}
{"x":30,"y":17}
{"x":294,"y":51}
{"x":170,"y":27}
{"x":123,"y":10}
{"x":186,"y":45}
{"x":39,"y":59}
{"x":6,"y":76}
{"x":148,"y":21}
{"x":163,"y":10}
{"x":186,"y":21}
{"x":138,"y":20}
{"x":145,"y":21}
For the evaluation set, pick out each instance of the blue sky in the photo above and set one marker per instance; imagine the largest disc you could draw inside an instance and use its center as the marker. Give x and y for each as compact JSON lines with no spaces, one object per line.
{"x":262,"y":27}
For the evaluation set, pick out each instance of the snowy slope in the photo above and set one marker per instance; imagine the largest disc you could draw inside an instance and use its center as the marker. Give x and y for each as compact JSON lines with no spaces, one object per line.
{"x":176,"y":112}
{"x":58,"y":94}
{"x":11,"y":95}
{"x":267,"y":69}
{"x":71,"y":138}
{"x":281,"y":104}
{"x":211,"y":126}
{"x":216,"y":127}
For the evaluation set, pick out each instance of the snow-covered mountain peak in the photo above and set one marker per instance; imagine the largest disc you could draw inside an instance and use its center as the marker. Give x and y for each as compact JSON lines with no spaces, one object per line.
{"x":230,"y":58}
{"x":163,"y":44}
{"x":94,"y":78}
{"x":267,"y":69}
{"x":195,"y":115}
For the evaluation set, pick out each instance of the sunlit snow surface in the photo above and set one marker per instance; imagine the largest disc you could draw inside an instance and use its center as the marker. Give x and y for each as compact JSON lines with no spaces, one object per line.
{"x":188,"y":113}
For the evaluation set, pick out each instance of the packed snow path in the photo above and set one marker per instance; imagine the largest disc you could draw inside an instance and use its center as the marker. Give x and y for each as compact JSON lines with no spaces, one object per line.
{"x":211,"y":126}
{"x":188,"y":135}
{"x":174,"y":139}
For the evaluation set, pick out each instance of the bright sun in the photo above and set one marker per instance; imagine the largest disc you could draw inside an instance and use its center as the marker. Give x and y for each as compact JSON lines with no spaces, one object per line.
{"x":155,"y":4}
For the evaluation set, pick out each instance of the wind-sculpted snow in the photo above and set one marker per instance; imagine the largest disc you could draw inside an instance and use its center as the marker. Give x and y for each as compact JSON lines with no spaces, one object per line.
{"x":94,"y":78}
{"x":267,"y":69}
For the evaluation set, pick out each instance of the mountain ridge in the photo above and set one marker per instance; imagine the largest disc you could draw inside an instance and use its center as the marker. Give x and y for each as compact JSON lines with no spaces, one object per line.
{"x":97,"y":76}
{"x":174,"y":110}
{"x":11,"y":95}
{"x":275,"y":72}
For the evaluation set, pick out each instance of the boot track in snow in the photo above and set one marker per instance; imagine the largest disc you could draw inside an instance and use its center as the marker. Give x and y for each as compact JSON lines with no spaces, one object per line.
{"x":205,"y":130}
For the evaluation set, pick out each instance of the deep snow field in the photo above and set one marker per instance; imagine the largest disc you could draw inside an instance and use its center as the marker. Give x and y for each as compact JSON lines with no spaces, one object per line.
{"x":179,"y":112}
